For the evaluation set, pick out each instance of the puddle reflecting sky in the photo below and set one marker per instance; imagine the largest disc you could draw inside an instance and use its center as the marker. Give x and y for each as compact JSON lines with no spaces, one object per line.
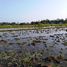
{"x":50,"y":41}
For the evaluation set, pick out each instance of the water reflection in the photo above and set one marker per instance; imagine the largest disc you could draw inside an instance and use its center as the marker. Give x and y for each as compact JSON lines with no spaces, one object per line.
{"x":46,"y":42}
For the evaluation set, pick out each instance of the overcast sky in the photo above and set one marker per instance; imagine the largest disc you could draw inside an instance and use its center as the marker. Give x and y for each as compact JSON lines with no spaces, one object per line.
{"x":32,"y":10}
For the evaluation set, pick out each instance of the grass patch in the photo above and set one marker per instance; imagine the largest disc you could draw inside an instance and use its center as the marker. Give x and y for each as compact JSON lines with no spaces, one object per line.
{"x":39,"y":26}
{"x":65,"y":43}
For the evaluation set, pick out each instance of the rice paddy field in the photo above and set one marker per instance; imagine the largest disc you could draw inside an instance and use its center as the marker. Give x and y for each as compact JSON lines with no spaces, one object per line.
{"x":33,"y":47}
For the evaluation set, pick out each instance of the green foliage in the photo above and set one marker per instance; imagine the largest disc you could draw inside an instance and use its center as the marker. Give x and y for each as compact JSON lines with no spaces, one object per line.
{"x":65,"y":43}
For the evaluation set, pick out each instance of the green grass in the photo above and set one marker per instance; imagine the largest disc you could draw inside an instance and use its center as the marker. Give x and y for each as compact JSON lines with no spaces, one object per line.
{"x":65,"y":43}
{"x":33,"y":26}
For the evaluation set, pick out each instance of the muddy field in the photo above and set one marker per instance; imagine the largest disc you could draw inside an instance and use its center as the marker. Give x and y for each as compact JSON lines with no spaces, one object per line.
{"x":34,"y":48}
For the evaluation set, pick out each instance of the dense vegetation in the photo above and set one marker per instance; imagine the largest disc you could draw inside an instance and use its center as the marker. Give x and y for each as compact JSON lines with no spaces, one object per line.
{"x":47,"y":21}
{"x":35,"y":24}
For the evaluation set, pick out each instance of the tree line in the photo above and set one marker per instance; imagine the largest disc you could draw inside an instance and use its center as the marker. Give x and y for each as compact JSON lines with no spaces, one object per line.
{"x":47,"y":21}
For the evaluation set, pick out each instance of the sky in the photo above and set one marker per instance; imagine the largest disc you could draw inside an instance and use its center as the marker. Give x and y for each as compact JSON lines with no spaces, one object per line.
{"x":32,"y":10}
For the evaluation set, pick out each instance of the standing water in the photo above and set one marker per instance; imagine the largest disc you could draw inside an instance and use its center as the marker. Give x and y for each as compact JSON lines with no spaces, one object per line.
{"x":34,"y":47}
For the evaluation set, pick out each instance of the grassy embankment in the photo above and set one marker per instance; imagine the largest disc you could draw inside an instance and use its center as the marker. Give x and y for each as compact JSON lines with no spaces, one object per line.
{"x":28,"y":26}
